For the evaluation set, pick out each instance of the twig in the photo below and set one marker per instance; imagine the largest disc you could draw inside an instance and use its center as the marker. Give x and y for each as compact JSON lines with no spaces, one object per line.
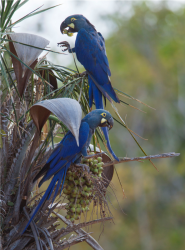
{"x":83,"y":224}
{"x":58,"y":205}
{"x":35,"y":233}
{"x":72,"y":241}
{"x":48,"y":237}
{"x":90,"y":240}
{"x":148,"y":157}
{"x":1,"y":247}
{"x":86,"y":224}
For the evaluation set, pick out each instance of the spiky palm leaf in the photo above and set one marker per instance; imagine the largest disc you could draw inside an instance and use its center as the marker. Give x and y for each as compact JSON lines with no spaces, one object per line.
{"x":23,"y":150}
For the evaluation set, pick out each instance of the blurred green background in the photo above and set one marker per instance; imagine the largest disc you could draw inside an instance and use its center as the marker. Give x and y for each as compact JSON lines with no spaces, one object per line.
{"x":146,"y":52}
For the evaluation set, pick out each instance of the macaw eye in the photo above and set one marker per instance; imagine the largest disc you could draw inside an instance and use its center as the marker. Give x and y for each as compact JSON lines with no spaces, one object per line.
{"x":103,"y":114}
{"x":73,"y":19}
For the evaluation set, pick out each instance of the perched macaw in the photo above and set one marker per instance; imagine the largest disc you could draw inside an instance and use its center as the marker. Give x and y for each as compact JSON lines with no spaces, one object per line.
{"x":68,"y":152}
{"x":91,"y":53}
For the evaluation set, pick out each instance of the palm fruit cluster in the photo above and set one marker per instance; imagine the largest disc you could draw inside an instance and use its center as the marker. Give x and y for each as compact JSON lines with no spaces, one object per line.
{"x":79,"y":187}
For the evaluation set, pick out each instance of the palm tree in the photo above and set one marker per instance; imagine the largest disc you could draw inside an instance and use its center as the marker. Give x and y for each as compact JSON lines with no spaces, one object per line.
{"x":26,"y":80}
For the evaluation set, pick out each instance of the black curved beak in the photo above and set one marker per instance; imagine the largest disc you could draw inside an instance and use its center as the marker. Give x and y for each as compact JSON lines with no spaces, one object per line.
{"x":63,"y":26}
{"x":110,"y":123}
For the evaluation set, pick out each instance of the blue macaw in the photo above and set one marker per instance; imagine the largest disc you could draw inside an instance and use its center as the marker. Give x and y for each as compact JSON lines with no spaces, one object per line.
{"x":68,"y":152}
{"x":91,"y":53}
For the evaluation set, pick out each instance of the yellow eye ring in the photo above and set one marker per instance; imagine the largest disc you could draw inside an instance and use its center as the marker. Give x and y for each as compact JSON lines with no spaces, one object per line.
{"x":73,"y":19}
{"x":103,"y":114}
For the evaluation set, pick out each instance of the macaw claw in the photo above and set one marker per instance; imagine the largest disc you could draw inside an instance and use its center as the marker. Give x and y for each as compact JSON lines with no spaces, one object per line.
{"x":64,"y":44}
{"x":84,"y":73}
{"x":84,"y":167}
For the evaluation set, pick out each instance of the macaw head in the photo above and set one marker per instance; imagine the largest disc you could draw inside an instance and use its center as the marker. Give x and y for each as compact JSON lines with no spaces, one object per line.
{"x":99,"y":118}
{"x":74,"y":23}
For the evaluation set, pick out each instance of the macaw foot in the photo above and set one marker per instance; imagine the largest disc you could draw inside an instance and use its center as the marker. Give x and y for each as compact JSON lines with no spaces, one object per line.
{"x":84,"y":167}
{"x":64,"y":44}
{"x":83,"y":74}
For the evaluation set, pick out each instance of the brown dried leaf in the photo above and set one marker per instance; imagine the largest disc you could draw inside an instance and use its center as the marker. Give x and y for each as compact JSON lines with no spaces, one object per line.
{"x":21,"y":81}
{"x":52,"y":79}
{"x":66,"y":109}
{"x":28,"y":54}
{"x":108,"y":171}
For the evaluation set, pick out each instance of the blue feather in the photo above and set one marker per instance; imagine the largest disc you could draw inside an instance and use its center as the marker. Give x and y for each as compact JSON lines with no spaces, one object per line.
{"x":66,"y":153}
{"x":45,"y":197}
{"x":106,"y":134}
{"x":97,"y":95}
{"x":60,"y":160}
{"x":52,"y":171}
{"x":91,"y":53}
{"x":55,"y":152}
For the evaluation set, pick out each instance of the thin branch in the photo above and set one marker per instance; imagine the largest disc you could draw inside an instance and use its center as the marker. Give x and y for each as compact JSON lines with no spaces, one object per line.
{"x":86,"y":224}
{"x":90,"y":240}
{"x":80,"y":225}
{"x":148,"y":157}
{"x":72,"y":241}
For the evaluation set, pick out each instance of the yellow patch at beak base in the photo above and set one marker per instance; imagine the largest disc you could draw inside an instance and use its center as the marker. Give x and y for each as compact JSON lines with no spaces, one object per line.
{"x":103,"y":120}
{"x":71,"y":25}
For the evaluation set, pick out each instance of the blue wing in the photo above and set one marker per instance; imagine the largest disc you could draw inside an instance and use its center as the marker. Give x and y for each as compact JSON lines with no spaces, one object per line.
{"x":102,"y":44}
{"x":60,"y":160}
{"x":90,"y":52}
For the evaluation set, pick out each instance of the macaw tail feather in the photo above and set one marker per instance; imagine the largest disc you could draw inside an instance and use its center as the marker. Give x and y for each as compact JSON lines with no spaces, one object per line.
{"x":106,"y":134}
{"x":95,"y":93}
{"x":102,"y":91}
{"x":59,"y":177}
{"x":107,"y":90}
